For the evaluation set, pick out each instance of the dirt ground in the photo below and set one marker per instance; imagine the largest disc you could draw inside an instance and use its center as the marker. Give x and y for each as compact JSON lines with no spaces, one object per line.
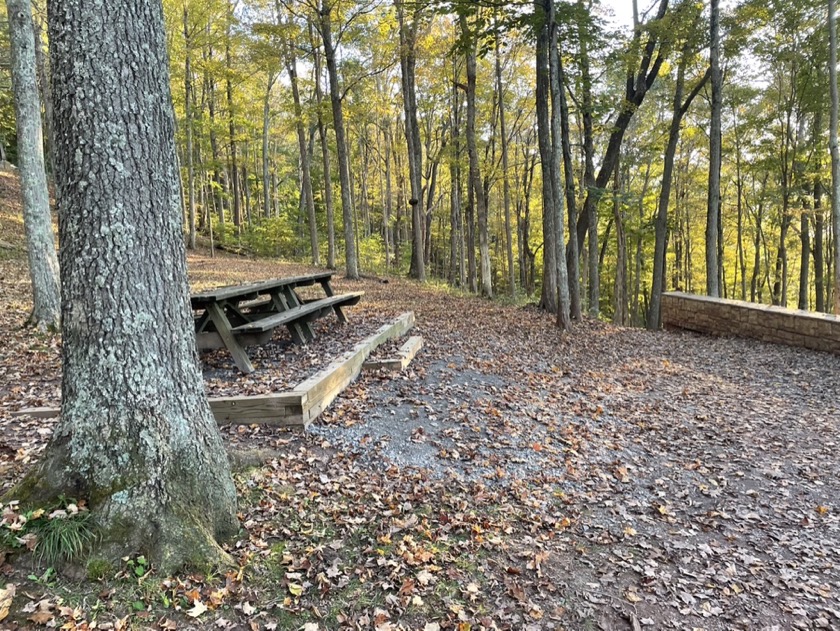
{"x":511,"y":478}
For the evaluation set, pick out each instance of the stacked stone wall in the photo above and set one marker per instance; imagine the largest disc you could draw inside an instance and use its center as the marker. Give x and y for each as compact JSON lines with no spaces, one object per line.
{"x":717,"y":316}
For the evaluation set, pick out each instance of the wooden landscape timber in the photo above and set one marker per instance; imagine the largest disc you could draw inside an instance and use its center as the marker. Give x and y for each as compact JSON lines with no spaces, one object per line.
{"x":720,"y":316}
{"x":302,"y":405}
{"x":405,"y":354}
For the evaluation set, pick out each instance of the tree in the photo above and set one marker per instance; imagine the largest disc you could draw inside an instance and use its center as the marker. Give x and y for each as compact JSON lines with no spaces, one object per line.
{"x":43,"y":262}
{"x":678,"y":111}
{"x":324,"y":26}
{"x":408,"y":63}
{"x":713,"y":212}
{"x":835,"y":149}
{"x":136,"y":439}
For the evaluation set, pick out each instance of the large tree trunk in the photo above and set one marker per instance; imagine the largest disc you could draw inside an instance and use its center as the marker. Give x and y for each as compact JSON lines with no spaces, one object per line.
{"x":43,"y":262}
{"x":713,"y":211}
{"x":136,"y":438}
{"x":351,"y":263}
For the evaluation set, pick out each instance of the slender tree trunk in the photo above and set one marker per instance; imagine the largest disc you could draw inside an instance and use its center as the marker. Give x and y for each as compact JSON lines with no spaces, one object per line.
{"x":218,"y":186}
{"x":819,"y":229}
{"x":136,"y":438}
{"x":408,"y":61}
{"x":620,"y":312}
{"x":590,"y":207}
{"x":305,"y":162}
{"x":475,"y":169}
{"x":556,"y":87}
{"x":325,"y":156}
{"x":835,"y":151}
{"x":39,"y":28}
{"x":389,"y":192}
{"x":505,"y":172}
{"x":189,"y":131}
{"x":456,"y":238}
{"x":713,"y":212}
{"x":679,"y":110}
{"x":40,"y":241}
{"x":351,"y":262}
{"x":234,"y":168}
{"x":548,"y":300}
{"x":573,"y":256}
{"x":266,"y":176}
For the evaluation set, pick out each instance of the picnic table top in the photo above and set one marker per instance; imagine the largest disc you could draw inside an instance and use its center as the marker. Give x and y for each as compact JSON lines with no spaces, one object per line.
{"x":252,"y":290}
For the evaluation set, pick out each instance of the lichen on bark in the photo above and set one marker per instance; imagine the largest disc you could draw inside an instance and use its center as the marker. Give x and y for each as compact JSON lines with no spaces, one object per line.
{"x":136,"y":438}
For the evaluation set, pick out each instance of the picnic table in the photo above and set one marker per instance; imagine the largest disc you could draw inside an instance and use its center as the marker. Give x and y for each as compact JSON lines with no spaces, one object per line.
{"x":237,"y":316}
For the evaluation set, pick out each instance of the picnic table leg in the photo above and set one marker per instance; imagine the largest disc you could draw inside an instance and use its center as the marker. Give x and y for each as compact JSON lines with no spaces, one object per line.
{"x":293,"y":301}
{"x":240,"y":357}
{"x":339,"y":313}
{"x":281,"y":304}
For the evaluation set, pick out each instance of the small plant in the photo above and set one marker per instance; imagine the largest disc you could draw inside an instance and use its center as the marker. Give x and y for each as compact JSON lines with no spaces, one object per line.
{"x":64,"y":538}
{"x":58,"y":535}
{"x":139,"y":566}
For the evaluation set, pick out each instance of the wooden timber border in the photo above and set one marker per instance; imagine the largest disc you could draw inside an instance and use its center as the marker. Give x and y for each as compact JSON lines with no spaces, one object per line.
{"x":300,"y":406}
{"x":405,"y":354}
{"x":719,"y":316}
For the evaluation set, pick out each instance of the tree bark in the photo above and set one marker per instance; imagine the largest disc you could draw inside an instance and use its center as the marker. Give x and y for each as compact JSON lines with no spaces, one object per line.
{"x":325,"y":156}
{"x":40,"y":241}
{"x":505,"y":172}
{"x":679,"y":110}
{"x":408,"y":62}
{"x":188,"y":89}
{"x":548,"y":301}
{"x":485,"y":273}
{"x":572,"y":256}
{"x":266,"y":175}
{"x":136,"y":438}
{"x":713,"y":209}
{"x":835,"y":150}
{"x":351,"y":263}
{"x":563,"y":308}
{"x":303,"y":149}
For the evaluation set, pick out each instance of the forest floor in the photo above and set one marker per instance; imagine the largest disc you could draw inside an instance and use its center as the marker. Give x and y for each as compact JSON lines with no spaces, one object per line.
{"x":511,"y":478}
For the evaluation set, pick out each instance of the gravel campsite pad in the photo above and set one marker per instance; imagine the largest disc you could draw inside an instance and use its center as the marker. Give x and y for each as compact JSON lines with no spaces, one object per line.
{"x":514,"y":479}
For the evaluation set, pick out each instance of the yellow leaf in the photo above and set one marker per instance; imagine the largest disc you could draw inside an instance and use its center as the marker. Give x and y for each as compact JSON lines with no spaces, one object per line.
{"x":822,"y":510}
{"x":6,"y":596}
{"x":632,"y":597}
{"x":295,"y":589}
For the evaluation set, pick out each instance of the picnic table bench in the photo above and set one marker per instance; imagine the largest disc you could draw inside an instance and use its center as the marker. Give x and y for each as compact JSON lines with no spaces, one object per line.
{"x":237,"y":316}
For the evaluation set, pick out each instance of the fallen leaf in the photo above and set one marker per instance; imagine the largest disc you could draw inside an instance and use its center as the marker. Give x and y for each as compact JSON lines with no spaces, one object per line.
{"x":6,"y":596}
{"x":197,"y":609}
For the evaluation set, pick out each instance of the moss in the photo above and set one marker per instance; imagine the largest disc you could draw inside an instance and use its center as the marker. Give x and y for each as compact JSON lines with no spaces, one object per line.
{"x":98,"y":569}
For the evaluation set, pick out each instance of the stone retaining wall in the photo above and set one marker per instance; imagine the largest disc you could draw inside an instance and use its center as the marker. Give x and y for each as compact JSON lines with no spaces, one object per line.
{"x":716,"y":316}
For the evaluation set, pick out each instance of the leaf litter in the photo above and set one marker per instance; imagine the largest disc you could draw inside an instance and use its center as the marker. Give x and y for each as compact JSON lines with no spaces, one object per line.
{"x":510,"y":478}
